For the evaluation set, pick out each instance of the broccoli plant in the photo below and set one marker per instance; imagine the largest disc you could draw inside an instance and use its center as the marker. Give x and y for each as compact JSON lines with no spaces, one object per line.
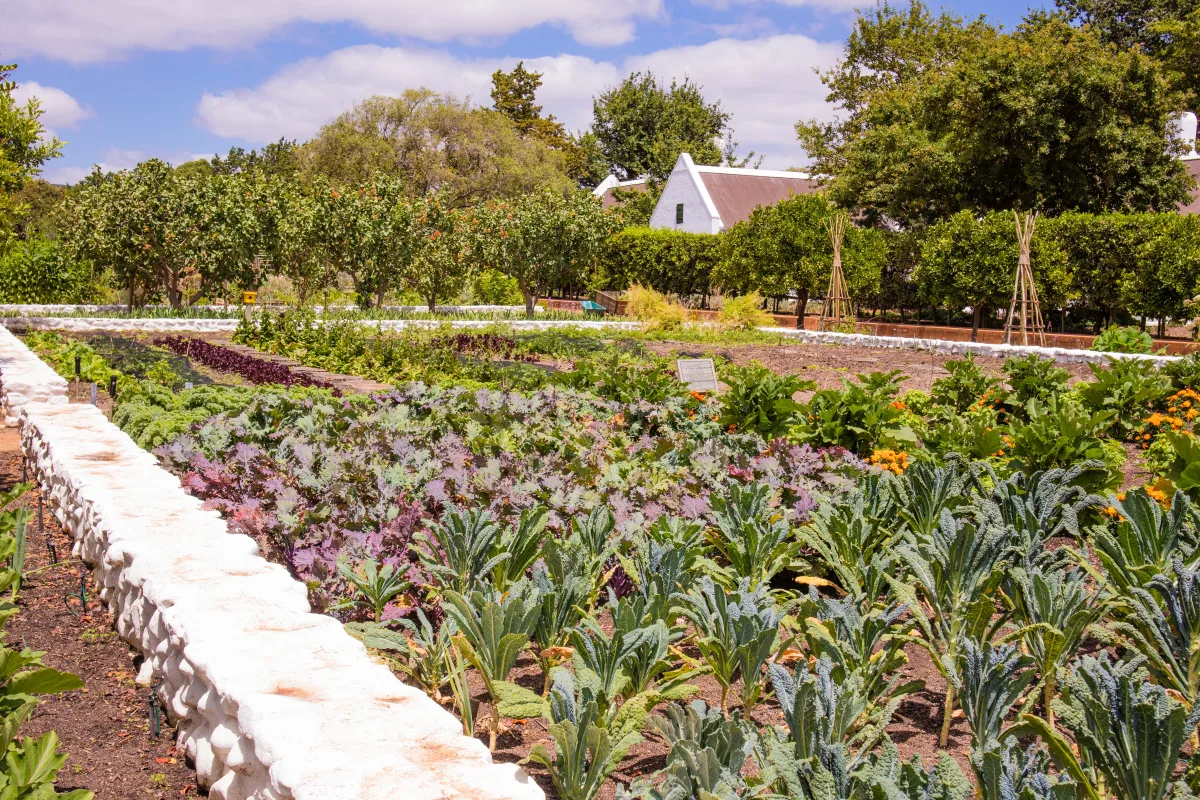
{"x":954,"y":570}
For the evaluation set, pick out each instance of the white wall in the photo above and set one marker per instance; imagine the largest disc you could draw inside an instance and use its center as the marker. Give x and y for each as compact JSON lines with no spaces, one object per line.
{"x":684,"y":186}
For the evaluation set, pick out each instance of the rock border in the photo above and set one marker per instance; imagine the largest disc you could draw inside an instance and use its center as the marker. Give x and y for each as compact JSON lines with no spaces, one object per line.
{"x":273,"y":702}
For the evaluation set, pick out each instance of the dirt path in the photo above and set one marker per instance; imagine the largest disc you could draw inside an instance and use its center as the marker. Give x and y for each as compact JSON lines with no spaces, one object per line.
{"x":105,"y":727}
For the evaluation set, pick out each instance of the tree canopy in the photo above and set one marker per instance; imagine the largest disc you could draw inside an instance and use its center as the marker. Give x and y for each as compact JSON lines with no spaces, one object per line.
{"x":642,"y":125}
{"x":23,"y":151}
{"x":940,"y":116}
{"x":432,"y":143}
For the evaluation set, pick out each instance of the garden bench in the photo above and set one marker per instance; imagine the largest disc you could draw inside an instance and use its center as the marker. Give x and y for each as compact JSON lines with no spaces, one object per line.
{"x":592,"y":307}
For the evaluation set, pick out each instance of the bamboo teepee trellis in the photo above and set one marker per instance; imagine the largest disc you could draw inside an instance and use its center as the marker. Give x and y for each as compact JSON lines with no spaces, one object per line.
{"x":837,"y":308}
{"x":1025,"y":304}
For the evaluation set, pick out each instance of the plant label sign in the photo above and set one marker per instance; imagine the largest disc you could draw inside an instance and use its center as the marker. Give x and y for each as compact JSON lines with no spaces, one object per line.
{"x":698,"y":373}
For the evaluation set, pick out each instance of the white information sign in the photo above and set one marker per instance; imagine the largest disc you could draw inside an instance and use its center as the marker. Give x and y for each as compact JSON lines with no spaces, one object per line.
{"x":698,"y":373}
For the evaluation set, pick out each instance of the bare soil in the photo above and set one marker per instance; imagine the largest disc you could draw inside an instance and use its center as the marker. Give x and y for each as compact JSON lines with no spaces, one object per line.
{"x":829,"y":364}
{"x":105,"y":727}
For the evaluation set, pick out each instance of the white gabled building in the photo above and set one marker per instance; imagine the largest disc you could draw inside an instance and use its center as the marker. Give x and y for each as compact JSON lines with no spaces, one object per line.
{"x":703,"y":199}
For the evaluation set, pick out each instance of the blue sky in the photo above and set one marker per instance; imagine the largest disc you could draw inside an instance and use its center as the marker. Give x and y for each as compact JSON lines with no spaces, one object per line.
{"x":123,"y":80}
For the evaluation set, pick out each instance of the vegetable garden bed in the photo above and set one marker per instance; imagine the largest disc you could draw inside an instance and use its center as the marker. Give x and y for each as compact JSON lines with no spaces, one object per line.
{"x":567,"y":557}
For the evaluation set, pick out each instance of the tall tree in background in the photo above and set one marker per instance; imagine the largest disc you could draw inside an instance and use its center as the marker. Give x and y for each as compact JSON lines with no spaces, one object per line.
{"x":642,"y":126}
{"x":941,"y":116}
{"x":1129,"y":23}
{"x":514,"y":94}
{"x":23,"y":151}
{"x":432,"y":143}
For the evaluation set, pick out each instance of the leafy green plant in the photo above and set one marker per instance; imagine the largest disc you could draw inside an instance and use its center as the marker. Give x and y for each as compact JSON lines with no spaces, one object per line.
{"x":1127,"y":389}
{"x":1061,"y":434}
{"x":1183,"y":469}
{"x":1129,"y":732}
{"x":518,"y":546}
{"x":989,"y":679}
{"x":493,"y":630}
{"x":562,"y":601}
{"x":859,"y":417}
{"x":707,"y":752}
{"x":753,"y":538}
{"x":461,"y":549}
{"x":954,"y":571}
{"x":588,"y":743}
{"x":852,"y":538}
{"x":1032,"y":377}
{"x":1184,"y":372}
{"x":977,"y":435}
{"x":1055,"y":610}
{"x":625,"y":379}
{"x":760,"y":401}
{"x":376,"y":586}
{"x":1162,"y":623}
{"x":424,"y":655}
{"x":966,"y":385}
{"x":1143,"y":541}
{"x":1117,"y":339}
{"x":736,"y":633}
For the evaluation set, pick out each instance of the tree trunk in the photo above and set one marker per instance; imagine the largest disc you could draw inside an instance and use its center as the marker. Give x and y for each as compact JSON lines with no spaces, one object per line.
{"x":1162,"y":325}
{"x":1142,"y":324}
{"x":432,"y":300}
{"x":131,"y":294}
{"x":530,"y":302}
{"x":975,"y":323}
{"x":801,"y":307}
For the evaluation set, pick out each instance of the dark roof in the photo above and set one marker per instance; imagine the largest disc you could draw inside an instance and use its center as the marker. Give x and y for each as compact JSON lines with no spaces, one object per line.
{"x":1193,"y":207}
{"x":737,"y":194}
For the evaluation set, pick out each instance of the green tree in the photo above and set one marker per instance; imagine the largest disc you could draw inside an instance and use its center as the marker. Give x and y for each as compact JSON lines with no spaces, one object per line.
{"x":643,"y":125}
{"x":23,"y":151}
{"x":668,"y":261}
{"x":1130,"y":23}
{"x":40,"y":201}
{"x":1180,"y":54}
{"x":543,"y":240}
{"x":432,"y":143}
{"x":367,"y":234}
{"x":969,"y":262}
{"x":785,"y":248}
{"x":161,"y":234}
{"x":444,"y":242}
{"x":1047,"y":117}
{"x":37,"y":270}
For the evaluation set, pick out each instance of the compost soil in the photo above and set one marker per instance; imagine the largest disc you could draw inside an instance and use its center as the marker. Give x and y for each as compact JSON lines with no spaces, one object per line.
{"x":105,"y":727}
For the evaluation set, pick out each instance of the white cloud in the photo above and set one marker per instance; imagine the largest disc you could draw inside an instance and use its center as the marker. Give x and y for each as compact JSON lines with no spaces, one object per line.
{"x":767,"y":84}
{"x":111,"y":160}
{"x":59,"y":109}
{"x":827,"y":5}
{"x":96,"y":30}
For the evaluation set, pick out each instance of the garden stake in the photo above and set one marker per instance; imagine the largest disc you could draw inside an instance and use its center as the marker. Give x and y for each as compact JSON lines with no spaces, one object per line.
{"x":53,"y":551}
{"x":94,"y":400}
{"x":76,"y":368}
{"x":112,"y":387}
{"x":154,"y":710}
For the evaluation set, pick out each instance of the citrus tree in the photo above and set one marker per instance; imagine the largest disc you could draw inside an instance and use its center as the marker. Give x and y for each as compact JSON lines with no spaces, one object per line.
{"x":443,"y":246}
{"x":543,"y":239}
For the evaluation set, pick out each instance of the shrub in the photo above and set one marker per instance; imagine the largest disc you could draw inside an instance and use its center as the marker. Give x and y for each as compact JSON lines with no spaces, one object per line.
{"x":964,"y":386}
{"x":37,"y":271}
{"x":1184,"y":373}
{"x":859,"y":417}
{"x":1123,"y":340}
{"x":666,"y":260}
{"x":653,"y":309}
{"x":743,"y":313}
{"x":1128,"y":388}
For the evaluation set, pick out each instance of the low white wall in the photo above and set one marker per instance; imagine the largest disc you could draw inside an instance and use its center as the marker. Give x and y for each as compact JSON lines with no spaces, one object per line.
{"x":273,"y":702}
{"x":962,"y":348}
{"x":42,"y":309}
{"x":25,"y":379}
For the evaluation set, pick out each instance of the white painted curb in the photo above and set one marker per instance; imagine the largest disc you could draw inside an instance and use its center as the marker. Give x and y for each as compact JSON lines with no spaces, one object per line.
{"x":273,"y":702}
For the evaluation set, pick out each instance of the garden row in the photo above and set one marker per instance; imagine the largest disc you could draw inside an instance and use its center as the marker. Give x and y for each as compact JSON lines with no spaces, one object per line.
{"x":269,"y":697}
{"x":598,"y":553}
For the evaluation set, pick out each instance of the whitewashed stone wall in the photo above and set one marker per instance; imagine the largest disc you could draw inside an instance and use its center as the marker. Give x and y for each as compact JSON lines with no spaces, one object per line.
{"x":47,"y":309}
{"x":273,"y":702}
{"x":27,"y":379}
{"x":116,"y":324}
{"x":961,"y":348}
